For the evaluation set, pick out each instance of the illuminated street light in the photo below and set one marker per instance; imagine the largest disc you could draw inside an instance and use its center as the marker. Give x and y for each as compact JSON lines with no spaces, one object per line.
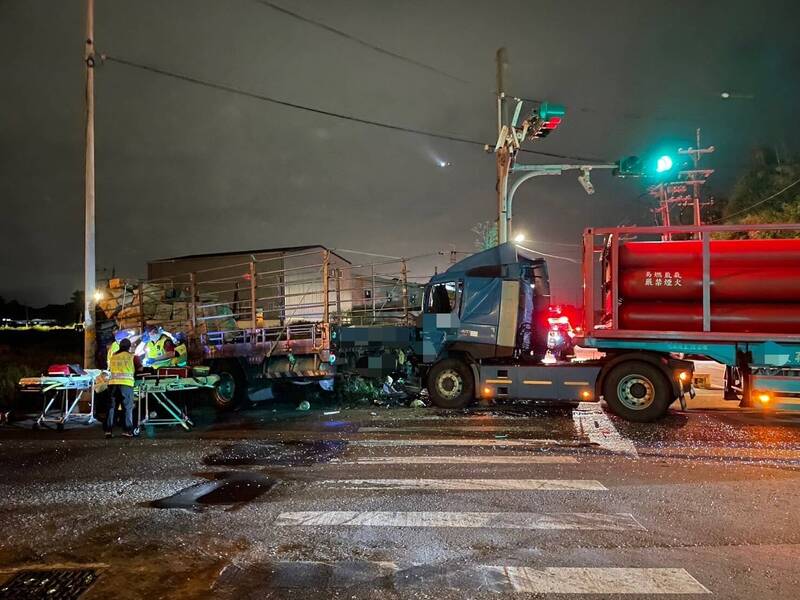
{"x":98,"y":295}
{"x":519,"y":238}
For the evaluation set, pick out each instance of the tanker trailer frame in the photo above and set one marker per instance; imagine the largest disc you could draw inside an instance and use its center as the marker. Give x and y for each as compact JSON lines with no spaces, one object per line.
{"x":762,"y":366}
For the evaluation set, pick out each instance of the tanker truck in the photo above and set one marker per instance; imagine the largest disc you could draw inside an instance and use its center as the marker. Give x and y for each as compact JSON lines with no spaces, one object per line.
{"x":651,"y":304}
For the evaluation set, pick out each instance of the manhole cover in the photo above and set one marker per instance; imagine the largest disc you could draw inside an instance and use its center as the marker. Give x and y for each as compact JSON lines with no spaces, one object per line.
{"x":53,"y":584}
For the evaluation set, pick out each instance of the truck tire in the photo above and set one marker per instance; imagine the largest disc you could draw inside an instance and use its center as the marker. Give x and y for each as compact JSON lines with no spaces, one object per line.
{"x":451,"y":384}
{"x":231,"y":391}
{"x":637,"y":391}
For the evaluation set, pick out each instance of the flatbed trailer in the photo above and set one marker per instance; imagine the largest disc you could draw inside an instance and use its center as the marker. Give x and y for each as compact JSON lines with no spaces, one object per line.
{"x":762,"y":368}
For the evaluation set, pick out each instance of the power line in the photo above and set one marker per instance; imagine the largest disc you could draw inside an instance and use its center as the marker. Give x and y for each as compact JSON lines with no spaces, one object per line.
{"x":759,"y":203}
{"x":359,"y":41}
{"x":286,"y":103}
{"x":572,"y":260}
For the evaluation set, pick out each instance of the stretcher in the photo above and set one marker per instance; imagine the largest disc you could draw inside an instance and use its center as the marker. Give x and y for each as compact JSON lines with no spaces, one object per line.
{"x":62,"y":395}
{"x":156,"y":388}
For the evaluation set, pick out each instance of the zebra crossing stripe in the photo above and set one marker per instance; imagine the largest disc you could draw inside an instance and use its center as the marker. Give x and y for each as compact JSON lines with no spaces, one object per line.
{"x":601,"y":580}
{"x":456,"y":442}
{"x":467,"y":484}
{"x":450,"y":427}
{"x":590,"y":420}
{"x":508,"y":520}
{"x":459,"y":460}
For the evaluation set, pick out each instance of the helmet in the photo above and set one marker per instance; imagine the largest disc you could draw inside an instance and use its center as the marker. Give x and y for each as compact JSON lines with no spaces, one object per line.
{"x":122,"y":334}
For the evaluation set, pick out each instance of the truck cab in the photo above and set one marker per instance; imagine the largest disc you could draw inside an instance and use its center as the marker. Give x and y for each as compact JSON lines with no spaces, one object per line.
{"x":492,"y":305}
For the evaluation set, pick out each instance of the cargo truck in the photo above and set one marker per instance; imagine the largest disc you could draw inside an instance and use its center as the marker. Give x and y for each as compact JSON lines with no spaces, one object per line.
{"x":651,"y":303}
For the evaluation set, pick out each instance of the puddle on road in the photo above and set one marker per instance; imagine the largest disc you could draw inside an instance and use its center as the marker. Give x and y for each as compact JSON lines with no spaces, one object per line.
{"x":226,"y":489}
{"x":294,"y":454}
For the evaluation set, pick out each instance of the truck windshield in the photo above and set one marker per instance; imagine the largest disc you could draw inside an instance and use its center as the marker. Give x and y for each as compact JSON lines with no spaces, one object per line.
{"x":540,"y":280}
{"x":442,"y":298}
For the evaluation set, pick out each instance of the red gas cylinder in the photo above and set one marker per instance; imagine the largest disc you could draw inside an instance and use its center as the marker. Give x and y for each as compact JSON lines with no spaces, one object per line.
{"x":681,"y":255}
{"x":728,"y":284}
{"x":736,"y":318}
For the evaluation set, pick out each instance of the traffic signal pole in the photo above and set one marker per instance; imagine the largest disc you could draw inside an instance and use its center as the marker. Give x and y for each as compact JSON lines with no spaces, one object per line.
{"x":502,"y":152}
{"x":531,"y":171}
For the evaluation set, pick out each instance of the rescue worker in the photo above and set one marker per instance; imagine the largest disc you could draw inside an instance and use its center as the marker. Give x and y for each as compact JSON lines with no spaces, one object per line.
{"x":164,"y":350}
{"x":112,"y":349}
{"x":123,"y":366}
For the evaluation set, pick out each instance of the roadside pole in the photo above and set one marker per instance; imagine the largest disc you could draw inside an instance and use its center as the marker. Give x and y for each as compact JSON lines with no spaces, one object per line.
{"x":502,"y":154}
{"x":89,"y":284}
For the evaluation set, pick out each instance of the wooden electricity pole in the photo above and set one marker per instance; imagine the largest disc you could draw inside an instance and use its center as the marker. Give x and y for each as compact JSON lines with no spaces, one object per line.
{"x":89,"y":285}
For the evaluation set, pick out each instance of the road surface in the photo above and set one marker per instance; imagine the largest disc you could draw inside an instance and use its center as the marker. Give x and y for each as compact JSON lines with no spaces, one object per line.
{"x":401,"y":503}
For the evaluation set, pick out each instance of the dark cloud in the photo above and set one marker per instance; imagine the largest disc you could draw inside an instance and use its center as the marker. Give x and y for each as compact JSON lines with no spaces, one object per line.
{"x":183,"y":169}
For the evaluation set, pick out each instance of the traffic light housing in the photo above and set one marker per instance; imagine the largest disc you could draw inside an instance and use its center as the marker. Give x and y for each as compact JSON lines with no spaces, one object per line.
{"x":546,"y":118}
{"x":660,"y":166}
{"x":629,"y":166}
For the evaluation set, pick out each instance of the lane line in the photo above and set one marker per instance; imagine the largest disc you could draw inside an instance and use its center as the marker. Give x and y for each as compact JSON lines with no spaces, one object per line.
{"x":459,"y":460}
{"x":458,"y":442}
{"x":466,"y":484}
{"x":601,"y":580}
{"x":591,"y":421}
{"x":507,"y":520}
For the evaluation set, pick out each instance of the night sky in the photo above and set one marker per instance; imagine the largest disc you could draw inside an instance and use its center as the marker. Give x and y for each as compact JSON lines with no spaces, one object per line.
{"x":185,"y":169}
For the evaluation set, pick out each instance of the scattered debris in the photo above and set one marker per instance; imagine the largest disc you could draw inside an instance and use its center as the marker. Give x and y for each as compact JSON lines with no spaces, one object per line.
{"x":331,"y":412}
{"x":304,"y":405}
{"x":417,"y":403}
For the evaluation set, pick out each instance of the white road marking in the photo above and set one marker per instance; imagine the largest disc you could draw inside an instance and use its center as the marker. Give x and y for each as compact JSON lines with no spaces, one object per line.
{"x":456,"y":442}
{"x":466,"y":484}
{"x":601,"y":580}
{"x":508,"y":520}
{"x":435,"y":428}
{"x":458,"y":460}
{"x":591,"y":421}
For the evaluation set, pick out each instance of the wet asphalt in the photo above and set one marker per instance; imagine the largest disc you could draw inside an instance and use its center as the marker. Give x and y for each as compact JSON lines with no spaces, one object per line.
{"x":267,"y":503}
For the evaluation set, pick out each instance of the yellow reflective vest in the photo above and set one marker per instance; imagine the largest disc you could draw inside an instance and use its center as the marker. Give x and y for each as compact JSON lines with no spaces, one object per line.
{"x":112,"y":350}
{"x":155,"y":349}
{"x":181,"y":359}
{"x":122,"y":369}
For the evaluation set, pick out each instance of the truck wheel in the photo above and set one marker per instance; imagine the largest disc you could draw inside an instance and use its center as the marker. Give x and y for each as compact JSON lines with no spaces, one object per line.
{"x":231,"y":390}
{"x":451,"y":384}
{"x":637,"y":391}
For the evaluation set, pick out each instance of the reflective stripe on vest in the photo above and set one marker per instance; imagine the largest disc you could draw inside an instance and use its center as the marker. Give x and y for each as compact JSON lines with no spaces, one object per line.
{"x":112,"y":350}
{"x":122,"y":369}
{"x":180,"y":359}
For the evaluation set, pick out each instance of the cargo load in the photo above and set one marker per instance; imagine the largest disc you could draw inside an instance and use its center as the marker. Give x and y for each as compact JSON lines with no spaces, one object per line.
{"x":754,"y":285}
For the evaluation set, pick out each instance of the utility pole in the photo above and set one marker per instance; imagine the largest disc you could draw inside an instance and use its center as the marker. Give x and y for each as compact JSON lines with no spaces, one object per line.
{"x":512,"y":131}
{"x":687,"y":190}
{"x":696,"y":176}
{"x":503,"y":152}
{"x":89,"y":330}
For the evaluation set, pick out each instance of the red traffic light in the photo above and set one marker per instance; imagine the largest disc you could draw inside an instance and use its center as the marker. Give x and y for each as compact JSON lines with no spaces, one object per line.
{"x":552,"y":122}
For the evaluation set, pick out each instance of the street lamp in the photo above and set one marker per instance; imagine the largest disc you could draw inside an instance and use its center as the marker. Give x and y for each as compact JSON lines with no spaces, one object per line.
{"x":519,"y":238}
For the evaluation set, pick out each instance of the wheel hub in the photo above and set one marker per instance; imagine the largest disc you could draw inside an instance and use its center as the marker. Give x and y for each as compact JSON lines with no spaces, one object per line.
{"x":636,"y":392}
{"x":226,"y":386}
{"x":449,"y":384}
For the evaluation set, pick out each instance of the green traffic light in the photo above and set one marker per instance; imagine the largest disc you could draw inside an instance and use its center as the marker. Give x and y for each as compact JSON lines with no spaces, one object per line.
{"x":663,"y":164}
